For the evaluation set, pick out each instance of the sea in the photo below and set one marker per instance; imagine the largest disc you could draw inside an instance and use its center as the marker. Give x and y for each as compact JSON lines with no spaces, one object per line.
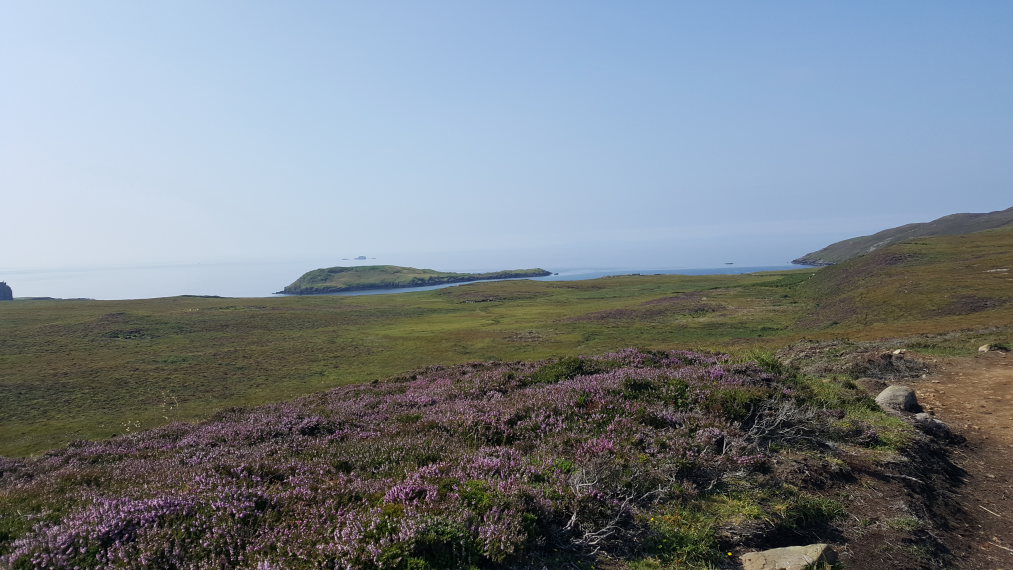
{"x":259,"y":279}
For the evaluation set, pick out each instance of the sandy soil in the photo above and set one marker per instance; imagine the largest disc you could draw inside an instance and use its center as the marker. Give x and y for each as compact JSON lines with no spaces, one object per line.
{"x":975,"y":397}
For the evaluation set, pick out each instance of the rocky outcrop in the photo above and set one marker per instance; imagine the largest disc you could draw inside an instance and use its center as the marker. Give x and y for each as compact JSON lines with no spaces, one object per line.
{"x":790,"y":558}
{"x":812,"y":259}
{"x":898,"y":398}
{"x":5,"y":292}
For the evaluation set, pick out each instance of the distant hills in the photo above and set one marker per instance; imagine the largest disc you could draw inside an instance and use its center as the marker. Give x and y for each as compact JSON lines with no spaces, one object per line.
{"x":954,"y":224}
{"x":366,"y":277}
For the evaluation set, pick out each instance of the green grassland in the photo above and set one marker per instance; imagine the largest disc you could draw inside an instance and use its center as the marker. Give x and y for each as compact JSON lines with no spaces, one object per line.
{"x":89,"y":369}
{"x":365,"y":277}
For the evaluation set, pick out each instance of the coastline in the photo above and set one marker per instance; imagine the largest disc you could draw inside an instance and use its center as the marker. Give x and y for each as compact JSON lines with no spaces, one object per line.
{"x":240,"y":280}
{"x":570,"y":274}
{"x":416,"y":283}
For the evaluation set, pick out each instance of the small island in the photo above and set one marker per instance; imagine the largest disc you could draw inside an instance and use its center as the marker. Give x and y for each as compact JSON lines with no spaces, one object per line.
{"x":366,"y":277}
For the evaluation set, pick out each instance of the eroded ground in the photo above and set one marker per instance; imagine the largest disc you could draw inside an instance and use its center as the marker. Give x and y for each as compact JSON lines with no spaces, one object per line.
{"x":975,"y":397}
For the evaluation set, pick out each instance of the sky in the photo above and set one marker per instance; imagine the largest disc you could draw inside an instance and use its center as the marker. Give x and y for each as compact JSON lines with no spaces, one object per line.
{"x":664,"y":133}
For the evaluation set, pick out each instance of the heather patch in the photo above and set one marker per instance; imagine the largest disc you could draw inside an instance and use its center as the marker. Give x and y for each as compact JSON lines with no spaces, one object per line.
{"x":674,"y":457}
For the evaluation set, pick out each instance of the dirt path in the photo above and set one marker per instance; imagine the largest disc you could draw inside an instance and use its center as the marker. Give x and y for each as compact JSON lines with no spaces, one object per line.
{"x":975,"y":397}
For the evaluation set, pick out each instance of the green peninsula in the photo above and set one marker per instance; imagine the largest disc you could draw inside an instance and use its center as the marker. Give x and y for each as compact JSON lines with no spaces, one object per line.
{"x":365,"y":277}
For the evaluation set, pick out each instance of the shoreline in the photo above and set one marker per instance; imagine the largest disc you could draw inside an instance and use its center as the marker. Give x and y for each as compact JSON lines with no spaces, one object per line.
{"x":417,"y":283}
{"x":239,"y":282}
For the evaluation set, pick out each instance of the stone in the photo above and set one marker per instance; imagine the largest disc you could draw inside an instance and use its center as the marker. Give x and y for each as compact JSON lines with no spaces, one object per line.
{"x":789,"y":558}
{"x":932,"y":426}
{"x":993,"y":347}
{"x":898,"y":398}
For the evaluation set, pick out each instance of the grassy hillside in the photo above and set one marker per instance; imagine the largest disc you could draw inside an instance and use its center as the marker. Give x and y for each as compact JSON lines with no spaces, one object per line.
{"x":365,"y":277}
{"x":953,"y":224}
{"x":926,"y":285}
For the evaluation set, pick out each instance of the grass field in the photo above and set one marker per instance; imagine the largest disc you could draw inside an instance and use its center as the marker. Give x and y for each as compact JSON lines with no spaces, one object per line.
{"x":89,"y":369}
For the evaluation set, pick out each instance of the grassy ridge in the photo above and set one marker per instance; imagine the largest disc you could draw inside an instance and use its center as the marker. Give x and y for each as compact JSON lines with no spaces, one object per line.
{"x":926,"y":285}
{"x":365,"y":277}
{"x":953,"y":224}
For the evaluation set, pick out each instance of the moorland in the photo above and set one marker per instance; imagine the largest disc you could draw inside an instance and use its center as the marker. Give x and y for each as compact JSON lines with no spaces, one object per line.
{"x":499,"y":424}
{"x":91,"y":369}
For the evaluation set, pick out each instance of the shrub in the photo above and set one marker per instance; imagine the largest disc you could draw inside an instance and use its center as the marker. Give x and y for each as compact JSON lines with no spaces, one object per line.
{"x":620,"y":456}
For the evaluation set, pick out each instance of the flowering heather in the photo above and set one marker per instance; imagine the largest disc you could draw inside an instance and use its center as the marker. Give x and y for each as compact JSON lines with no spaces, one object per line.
{"x":485,"y":465}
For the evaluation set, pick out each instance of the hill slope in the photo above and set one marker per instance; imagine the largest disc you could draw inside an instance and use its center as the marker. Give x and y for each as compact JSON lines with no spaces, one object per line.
{"x":365,"y":277}
{"x":953,"y":224}
{"x":939,"y":283}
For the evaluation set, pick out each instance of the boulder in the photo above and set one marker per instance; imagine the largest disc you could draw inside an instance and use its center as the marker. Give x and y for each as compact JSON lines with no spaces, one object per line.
{"x":934,"y":427}
{"x":898,"y":398}
{"x":789,"y":558}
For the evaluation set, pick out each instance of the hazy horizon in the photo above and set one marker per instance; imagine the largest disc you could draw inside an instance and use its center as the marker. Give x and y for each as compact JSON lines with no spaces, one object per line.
{"x":650,"y":133}
{"x":262,"y":279}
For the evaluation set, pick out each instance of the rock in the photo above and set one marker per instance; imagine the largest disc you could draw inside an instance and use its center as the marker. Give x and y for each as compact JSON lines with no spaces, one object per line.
{"x":5,"y":292}
{"x":789,"y":558}
{"x":993,"y":347}
{"x":898,"y":398}
{"x":932,"y":426}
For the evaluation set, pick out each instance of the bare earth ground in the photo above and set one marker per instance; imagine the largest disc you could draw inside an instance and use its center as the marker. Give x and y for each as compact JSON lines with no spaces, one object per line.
{"x":975,"y":397}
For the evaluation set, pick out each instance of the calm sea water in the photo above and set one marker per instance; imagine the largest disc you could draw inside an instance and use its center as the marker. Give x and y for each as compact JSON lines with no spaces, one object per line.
{"x":250,"y":279}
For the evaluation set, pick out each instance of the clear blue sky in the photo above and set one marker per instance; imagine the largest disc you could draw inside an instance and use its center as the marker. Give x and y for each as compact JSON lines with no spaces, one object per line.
{"x":191,"y":131}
